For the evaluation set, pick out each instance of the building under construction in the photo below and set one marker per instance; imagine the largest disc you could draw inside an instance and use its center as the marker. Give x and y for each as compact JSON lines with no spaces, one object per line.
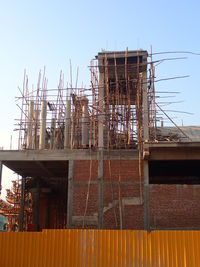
{"x":100,"y":157}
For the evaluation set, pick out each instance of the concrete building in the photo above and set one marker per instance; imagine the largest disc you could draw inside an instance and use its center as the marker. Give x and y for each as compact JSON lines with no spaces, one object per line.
{"x":98,"y":159}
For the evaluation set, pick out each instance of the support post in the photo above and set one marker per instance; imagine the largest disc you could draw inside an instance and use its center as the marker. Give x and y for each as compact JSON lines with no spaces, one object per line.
{"x":100,"y":146}
{"x":21,"y":212}
{"x":146,"y":195}
{"x":145,"y":108}
{"x":29,"y":140}
{"x":100,"y":189}
{"x":70,"y":193}
{"x":43,"y":124}
{"x":101,"y":112}
{"x":53,"y":127}
{"x":35,"y":197}
{"x":145,"y":149}
{"x":67,"y":124}
{"x":85,"y":122}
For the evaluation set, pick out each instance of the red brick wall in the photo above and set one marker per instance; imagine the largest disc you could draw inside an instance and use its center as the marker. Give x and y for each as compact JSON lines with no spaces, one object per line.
{"x":175,"y":206}
{"x":121,"y":181}
{"x":171,"y":206}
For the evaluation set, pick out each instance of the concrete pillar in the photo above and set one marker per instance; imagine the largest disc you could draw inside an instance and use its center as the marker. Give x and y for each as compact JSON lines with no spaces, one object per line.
{"x":53,"y":127}
{"x":35,"y":198}
{"x":29,"y":140}
{"x":72,"y":132}
{"x":21,"y":212}
{"x":35,"y":129}
{"x":70,"y":193}
{"x":100,"y":189}
{"x":145,"y":148}
{"x":43,"y":124}
{"x":145,"y":108}
{"x":146,"y":196}
{"x":85,"y":123}
{"x":101,"y":112}
{"x":67,"y":124}
{"x":101,"y":117}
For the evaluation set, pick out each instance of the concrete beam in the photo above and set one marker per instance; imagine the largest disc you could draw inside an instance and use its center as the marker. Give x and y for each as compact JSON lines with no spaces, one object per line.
{"x":174,"y":153}
{"x":66,"y":154}
{"x":89,"y":220}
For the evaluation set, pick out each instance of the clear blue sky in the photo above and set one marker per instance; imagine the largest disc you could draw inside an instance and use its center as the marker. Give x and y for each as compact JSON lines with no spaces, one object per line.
{"x":38,"y":33}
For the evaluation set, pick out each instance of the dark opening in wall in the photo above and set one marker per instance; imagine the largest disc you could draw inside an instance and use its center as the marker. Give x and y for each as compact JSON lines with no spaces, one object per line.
{"x":174,"y":172}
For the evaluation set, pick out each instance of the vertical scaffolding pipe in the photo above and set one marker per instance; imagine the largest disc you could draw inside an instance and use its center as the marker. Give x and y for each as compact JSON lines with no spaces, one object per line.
{"x":67,"y":124}
{"x":70,"y":193}
{"x":43,"y":124}
{"x":21,"y":211}
{"x":29,"y":140}
{"x":85,"y":123}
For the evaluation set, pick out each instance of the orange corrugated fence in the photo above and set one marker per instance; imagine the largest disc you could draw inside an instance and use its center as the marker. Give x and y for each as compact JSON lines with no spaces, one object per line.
{"x":59,"y":248}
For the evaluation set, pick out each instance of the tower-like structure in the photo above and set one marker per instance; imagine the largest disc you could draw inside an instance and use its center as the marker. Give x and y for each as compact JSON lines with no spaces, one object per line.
{"x":123,"y":103}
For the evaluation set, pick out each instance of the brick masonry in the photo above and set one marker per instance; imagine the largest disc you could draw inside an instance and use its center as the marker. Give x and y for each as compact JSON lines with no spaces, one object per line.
{"x":122,"y":195}
{"x":175,"y":206}
{"x":171,"y":206}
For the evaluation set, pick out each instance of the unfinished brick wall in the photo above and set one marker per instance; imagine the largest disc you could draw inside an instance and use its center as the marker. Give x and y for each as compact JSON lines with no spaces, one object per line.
{"x":171,"y":206}
{"x":122,"y":195}
{"x":175,"y":206}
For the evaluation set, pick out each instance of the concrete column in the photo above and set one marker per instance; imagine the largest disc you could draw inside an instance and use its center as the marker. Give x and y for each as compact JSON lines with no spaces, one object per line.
{"x":84,"y":126}
{"x":101,"y":111}
{"x":29,"y":140}
{"x":43,"y":124}
{"x":53,"y":127}
{"x":67,"y":124}
{"x":35,"y":127}
{"x":145,"y":108}
{"x":1,"y":169}
{"x":72,"y":132}
{"x":101,"y":117}
{"x":35,"y":198}
{"x":21,"y":212}
{"x":146,"y":196}
{"x":100,"y":189}
{"x":70,"y":193}
{"x":145,"y":150}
